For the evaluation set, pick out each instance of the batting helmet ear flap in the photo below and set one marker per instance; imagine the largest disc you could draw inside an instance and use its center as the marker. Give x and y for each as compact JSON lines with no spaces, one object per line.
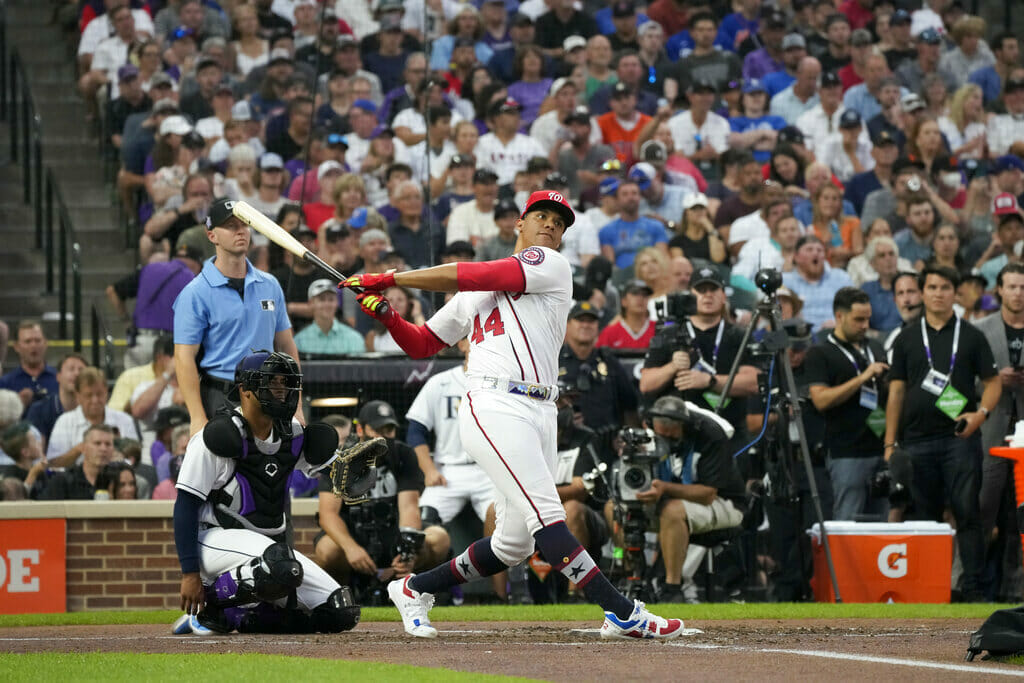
{"x":320,"y":443}
{"x":222,"y":437}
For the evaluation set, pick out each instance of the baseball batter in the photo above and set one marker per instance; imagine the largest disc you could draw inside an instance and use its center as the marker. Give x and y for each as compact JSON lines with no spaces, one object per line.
{"x":514,"y":311}
{"x":229,"y":516}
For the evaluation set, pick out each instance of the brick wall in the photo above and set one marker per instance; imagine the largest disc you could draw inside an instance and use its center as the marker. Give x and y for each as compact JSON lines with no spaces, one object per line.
{"x":128,"y":561}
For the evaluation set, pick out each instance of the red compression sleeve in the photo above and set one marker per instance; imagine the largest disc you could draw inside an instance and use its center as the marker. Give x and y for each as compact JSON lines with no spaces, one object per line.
{"x":419,"y":341}
{"x":503,"y":275}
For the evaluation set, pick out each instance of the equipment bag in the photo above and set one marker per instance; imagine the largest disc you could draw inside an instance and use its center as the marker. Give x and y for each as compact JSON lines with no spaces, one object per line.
{"x":1002,"y":635}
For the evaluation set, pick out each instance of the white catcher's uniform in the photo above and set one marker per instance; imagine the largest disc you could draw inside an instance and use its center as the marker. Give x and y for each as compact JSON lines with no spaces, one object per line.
{"x":436,"y":407}
{"x":507,"y":422}
{"x":220,"y":549}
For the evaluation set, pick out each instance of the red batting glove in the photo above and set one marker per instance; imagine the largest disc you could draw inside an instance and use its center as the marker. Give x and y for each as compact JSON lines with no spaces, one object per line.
{"x":373,"y":282}
{"x":377,"y":307}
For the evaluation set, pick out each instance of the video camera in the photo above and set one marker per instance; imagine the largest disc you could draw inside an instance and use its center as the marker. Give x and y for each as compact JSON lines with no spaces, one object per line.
{"x":642,"y":451}
{"x":410,"y":543}
{"x":671,"y":315}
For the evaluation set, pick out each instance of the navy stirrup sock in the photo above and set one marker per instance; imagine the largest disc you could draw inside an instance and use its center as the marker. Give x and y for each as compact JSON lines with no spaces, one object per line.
{"x":477,"y":561}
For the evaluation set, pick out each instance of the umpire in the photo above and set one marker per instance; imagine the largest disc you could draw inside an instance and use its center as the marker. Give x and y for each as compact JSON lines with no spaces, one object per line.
{"x":221,"y":316}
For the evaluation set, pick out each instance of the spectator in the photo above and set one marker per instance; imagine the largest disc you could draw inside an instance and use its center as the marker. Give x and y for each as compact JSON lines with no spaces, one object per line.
{"x":168,"y":422}
{"x":696,"y":237}
{"x":837,"y":55}
{"x":22,"y":445}
{"x":915,"y":240}
{"x":848,"y":152}
{"x":964,"y":127}
{"x":802,"y":95}
{"x":1006,"y":50}
{"x":208,"y":75}
{"x":633,"y":328}
{"x":33,"y":379}
{"x":744,"y":202}
{"x":1005,"y":129}
{"x":577,"y":147}
{"x":659,"y":200}
{"x":131,"y":100}
{"x":911,"y":74}
{"x":623,"y":237}
{"x":907,"y":295}
{"x":842,"y":233}
{"x":1008,"y":233}
{"x":737,"y":26}
{"x":845,"y":379}
{"x":814,"y":281}
{"x":883,"y":153}
{"x":861,"y":47}
{"x":900,"y":48}
{"x":407,"y":305}
{"x":946,"y":251}
{"x":65,"y":443}
{"x":295,"y":278}
{"x":530,"y":87}
{"x":503,"y":243}
{"x":884,"y":257}
{"x":768,"y":58}
{"x":794,"y":48}
{"x":192,"y":14}
{"x":890,"y":202}
{"x":930,"y":396}
{"x":42,"y":414}
{"x":755,"y":130}
{"x":166,"y":489}
{"x":698,"y":132}
{"x":786,"y":169}
{"x":622,"y":126}
{"x":96,"y":27}
{"x":326,"y":335}
{"x":290,"y":142}
{"x":412,"y":233}
{"x":473,"y":221}
{"x":630,"y":72}
{"x":168,"y":226}
{"x":111,"y":53}
{"x":971,"y":52}
{"x":152,"y":395}
{"x":79,"y":482}
{"x":705,"y":62}
{"x":651,"y":51}
{"x":143,"y":476}
{"x":652,"y":268}
{"x":775,"y":248}
{"x":821,"y":121}
{"x":505,"y":150}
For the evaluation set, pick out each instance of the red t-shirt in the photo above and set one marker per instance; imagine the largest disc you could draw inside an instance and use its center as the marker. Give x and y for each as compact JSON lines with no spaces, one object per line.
{"x":317,"y":214}
{"x":858,"y":15}
{"x":618,"y":336}
{"x":848,"y":76}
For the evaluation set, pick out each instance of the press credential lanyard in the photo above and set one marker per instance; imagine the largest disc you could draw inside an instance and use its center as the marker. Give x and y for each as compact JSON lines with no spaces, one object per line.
{"x":928,"y":348}
{"x":849,"y":356}
{"x":718,"y":341}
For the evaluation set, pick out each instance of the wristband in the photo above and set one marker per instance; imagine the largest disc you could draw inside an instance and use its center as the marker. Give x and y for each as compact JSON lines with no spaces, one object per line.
{"x":984,"y":411}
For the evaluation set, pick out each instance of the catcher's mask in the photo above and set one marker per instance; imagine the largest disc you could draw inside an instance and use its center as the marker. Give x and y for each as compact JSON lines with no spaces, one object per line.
{"x":275,"y":380}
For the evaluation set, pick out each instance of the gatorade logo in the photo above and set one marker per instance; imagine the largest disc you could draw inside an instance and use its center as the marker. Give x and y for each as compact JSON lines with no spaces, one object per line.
{"x":892,"y":560}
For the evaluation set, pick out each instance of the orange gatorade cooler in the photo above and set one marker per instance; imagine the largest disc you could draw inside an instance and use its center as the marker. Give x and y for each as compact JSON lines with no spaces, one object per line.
{"x":880,"y":562}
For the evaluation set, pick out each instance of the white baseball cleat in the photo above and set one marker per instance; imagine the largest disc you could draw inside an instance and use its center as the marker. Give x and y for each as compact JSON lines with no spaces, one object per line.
{"x":413,"y":606}
{"x":188,"y":624}
{"x":640,"y":624}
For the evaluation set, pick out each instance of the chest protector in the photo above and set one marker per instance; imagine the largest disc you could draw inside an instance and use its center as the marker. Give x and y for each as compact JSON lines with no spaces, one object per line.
{"x":257,"y":496}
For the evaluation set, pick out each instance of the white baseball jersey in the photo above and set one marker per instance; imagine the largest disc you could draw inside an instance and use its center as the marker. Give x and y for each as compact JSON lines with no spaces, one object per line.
{"x":514,"y":335}
{"x":203,"y":472}
{"x":506,"y":160}
{"x":437,"y":408}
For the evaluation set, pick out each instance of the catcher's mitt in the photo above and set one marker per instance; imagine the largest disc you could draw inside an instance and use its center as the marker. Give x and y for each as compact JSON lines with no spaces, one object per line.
{"x":354,"y":472}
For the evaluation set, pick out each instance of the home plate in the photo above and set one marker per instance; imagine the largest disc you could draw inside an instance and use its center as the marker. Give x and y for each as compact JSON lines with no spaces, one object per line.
{"x":686,"y":631}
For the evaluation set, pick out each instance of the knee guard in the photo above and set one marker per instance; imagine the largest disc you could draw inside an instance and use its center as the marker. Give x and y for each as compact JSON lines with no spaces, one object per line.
{"x":339,"y":613}
{"x":271,"y":576}
{"x":429,"y":516}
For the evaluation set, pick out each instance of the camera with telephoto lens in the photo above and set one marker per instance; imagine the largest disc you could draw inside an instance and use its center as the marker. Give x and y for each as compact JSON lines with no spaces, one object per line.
{"x":642,"y":451}
{"x":410,"y":543}
{"x":671,"y":314}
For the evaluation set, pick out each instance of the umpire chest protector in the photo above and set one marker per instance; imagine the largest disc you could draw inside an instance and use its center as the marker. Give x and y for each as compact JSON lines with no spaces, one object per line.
{"x":257,"y":495}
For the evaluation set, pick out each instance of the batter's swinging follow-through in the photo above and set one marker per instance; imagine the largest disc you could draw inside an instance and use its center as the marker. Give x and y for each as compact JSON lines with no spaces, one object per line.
{"x":514,"y":312}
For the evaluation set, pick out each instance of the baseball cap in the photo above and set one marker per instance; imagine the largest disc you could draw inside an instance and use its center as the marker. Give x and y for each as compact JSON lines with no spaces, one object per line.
{"x":538,"y":164}
{"x":175,"y":125}
{"x":336,"y":139}
{"x":861,"y":38}
{"x":336,"y":231}
{"x":786,"y":293}
{"x":883,"y":137}
{"x":574,"y":42}
{"x":522,"y":19}
{"x":583,"y":309}
{"x":1013,"y":84}
{"x":171,"y":416}
{"x":911,"y":102}
{"x":830,"y":79}
{"x":642,"y":173}
{"x":505,"y":207}
{"x":220,"y":212}
{"x":670,"y":408}
{"x":849,"y":119}
{"x":160,"y":79}
{"x":165,"y":106}
{"x":327,"y":167}
{"x":271,"y":160}
{"x":553,"y":200}
{"x":929,"y":36}
{"x":701,"y":85}
{"x":461,"y":161}
{"x":278,"y":55}
{"x":623,"y":8}
{"x":555,"y":181}
{"x":366,"y":105}
{"x":463,"y":42}
{"x":190,"y":252}
{"x":793,"y":40}
{"x":484,"y":176}
{"x":127,"y":72}
{"x":382,"y":129}
{"x":707,"y":276}
{"x":654,"y":151}
{"x":358,"y":219}
{"x":180,"y":32}
{"x":506,"y":106}
{"x":775,"y":20}
{"x":799,"y":332}
{"x":241,"y":111}
{"x":579,"y":114}
{"x":1005,"y":204}
{"x":903,"y":163}
{"x":608,"y":186}
{"x":205,"y":61}
{"x":390,"y":6}
{"x":791,"y":134}
{"x":695,"y":199}
{"x":462,"y":247}
{"x":1007,"y":162}
{"x":390,"y":22}
{"x":752,"y":85}
{"x":371,"y":235}
{"x":558,"y":84}
{"x":620,"y":89}
{"x":345,"y":41}
{"x":900,"y":17}
{"x":303,"y":231}
{"x":224,"y":88}
{"x":637,"y":286}
{"x":318,"y":287}
{"x":377,"y":414}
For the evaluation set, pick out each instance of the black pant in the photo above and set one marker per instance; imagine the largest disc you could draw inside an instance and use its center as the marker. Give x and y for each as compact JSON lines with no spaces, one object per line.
{"x":213,"y":393}
{"x":949,"y":469}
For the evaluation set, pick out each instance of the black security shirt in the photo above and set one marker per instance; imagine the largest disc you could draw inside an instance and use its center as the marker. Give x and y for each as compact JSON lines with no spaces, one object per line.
{"x":921,"y":419}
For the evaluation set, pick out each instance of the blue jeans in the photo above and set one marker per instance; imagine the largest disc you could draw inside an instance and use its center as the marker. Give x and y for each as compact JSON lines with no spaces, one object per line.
{"x":851,"y":487}
{"x":949,"y":469}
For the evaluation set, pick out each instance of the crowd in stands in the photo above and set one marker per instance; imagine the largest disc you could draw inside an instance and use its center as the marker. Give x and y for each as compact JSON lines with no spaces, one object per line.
{"x":843,"y":142}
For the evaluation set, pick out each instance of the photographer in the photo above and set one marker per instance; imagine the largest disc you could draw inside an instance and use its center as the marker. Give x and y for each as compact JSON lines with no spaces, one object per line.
{"x":934,"y":411}
{"x":366,"y":538}
{"x":691,"y":357}
{"x":845,"y":375}
{"x":697,"y":487}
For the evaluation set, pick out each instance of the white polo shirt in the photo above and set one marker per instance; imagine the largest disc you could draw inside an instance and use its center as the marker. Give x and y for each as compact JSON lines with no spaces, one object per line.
{"x":506,"y":160}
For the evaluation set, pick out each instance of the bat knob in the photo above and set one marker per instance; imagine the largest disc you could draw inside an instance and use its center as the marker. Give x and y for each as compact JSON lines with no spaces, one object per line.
{"x":384,"y":308}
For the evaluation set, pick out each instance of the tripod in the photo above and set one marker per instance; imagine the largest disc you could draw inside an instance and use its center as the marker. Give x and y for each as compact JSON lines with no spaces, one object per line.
{"x":768,"y":280}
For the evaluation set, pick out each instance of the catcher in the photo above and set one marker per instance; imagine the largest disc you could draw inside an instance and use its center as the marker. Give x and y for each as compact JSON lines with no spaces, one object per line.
{"x":238,"y":571}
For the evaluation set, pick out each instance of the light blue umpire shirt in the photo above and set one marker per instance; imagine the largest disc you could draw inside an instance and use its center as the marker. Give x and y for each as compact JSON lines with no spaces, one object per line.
{"x":227,"y":326}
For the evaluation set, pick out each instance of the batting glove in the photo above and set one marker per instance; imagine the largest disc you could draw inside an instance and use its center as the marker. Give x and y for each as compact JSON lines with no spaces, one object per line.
{"x":378,"y":307}
{"x":374,"y":282}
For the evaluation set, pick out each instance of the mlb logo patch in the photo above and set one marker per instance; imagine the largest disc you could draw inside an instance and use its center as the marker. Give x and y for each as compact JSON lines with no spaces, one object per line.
{"x":267,"y":304}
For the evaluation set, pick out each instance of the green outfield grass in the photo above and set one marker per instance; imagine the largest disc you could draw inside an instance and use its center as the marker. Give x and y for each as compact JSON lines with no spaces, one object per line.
{"x":133,"y":668}
{"x":543,"y":613}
